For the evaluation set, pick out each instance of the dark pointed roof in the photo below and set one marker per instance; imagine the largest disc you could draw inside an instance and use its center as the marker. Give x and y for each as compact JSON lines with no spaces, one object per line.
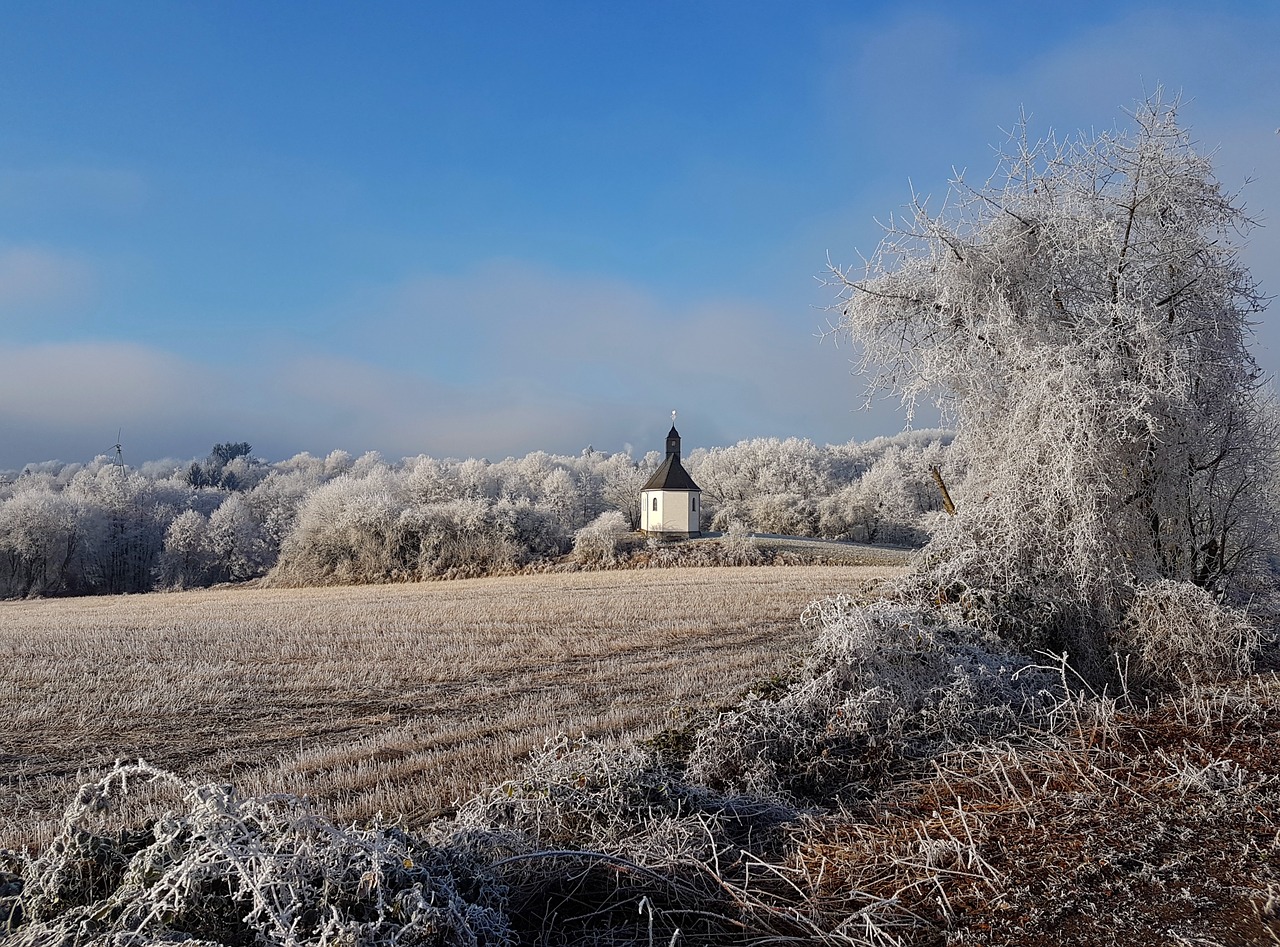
{"x":671,"y":476}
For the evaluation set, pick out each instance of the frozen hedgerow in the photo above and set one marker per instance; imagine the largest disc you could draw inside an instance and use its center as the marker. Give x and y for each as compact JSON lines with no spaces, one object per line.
{"x":884,"y":685}
{"x":236,"y":870}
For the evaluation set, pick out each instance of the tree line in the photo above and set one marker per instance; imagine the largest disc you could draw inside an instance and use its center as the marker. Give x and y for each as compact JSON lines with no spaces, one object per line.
{"x":103,"y":528}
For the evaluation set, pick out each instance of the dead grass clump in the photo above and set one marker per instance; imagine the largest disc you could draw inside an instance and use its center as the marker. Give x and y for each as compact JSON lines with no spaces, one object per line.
{"x":884,"y":685}
{"x":609,"y":846}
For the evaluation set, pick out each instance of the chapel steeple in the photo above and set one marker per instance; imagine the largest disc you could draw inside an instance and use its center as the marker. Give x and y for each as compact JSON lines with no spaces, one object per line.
{"x":671,"y":503}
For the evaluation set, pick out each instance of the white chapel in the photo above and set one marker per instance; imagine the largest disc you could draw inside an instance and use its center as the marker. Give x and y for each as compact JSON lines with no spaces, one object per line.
{"x":670,"y":503}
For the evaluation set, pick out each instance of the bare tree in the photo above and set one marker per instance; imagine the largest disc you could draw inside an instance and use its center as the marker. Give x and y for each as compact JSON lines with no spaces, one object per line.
{"x":1085,"y":317}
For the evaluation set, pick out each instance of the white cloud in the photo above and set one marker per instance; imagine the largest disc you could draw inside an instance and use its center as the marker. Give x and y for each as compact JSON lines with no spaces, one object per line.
{"x":96,"y":383}
{"x":553,"y":362}
{"x":38,"y":281}
{"x":533,"y":335}
{"x":67,"y":401}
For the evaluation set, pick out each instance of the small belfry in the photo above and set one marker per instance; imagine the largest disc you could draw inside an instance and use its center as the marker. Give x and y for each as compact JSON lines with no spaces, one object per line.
{"x":671,"y":503}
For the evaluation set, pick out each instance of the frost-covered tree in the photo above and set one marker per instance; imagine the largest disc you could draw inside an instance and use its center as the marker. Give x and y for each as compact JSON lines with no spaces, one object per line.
{"x":121,"y":524}
{"x":236,"y":540}
{"x":337,"y":463}
{"x":428,"y":480}
{"x":1086,"y":317}
{"x":560,"y":492}
{"x":39,"y":539}
{"x":188,"y":553}
{"x":622,"y":480}
{"x":890,"y":502}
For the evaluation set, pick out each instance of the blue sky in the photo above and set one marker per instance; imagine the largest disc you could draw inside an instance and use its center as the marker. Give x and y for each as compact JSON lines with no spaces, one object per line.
{"x":489,"y":228}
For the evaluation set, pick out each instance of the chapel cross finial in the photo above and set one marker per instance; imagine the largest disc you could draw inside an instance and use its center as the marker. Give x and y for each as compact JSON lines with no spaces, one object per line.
{"x":673,"y":418}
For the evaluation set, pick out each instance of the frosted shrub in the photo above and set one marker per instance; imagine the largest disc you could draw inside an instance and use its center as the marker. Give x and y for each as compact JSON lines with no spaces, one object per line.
{"x":728,"y":514}
{"x":739,"y":548}
{"x":535,"y":529}
{"x":345,"y":533}
{"x":368,"y":530}
{"x":472,"y":537}
{"x":454,"y":539}
{"x":1176,"y":631}
{"x":250,"y":871}
{"x":884,"y":684}
{"x":598,"y":541}
{"x":605,"y":798}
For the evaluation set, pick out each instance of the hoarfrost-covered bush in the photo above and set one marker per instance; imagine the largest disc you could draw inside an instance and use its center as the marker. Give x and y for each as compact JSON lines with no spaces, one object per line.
{"x":536,"y":531}
{"x":471,"y":537}
{"x":453,"y":538}
{"x":884,"y":684}
{"x":1086,"y":316}
{"x":345,"y":533}
{"x":1176,"y":632}
{"x":598,"y":541}
{"x":236,"y":870}
{"x":612,"y":799}
{"x":739,"y":548}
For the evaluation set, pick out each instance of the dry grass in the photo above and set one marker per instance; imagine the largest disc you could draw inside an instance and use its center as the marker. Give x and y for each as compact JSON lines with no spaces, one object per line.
{"x":1153,"y":826}
{"x":400,"y":699}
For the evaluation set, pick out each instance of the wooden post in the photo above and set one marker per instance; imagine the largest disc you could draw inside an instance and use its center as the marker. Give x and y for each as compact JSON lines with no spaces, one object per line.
{"x":942,"y":488}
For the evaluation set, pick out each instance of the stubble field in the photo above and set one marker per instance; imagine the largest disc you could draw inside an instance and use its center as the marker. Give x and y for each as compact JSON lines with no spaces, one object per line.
{"x":394,"y":699}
